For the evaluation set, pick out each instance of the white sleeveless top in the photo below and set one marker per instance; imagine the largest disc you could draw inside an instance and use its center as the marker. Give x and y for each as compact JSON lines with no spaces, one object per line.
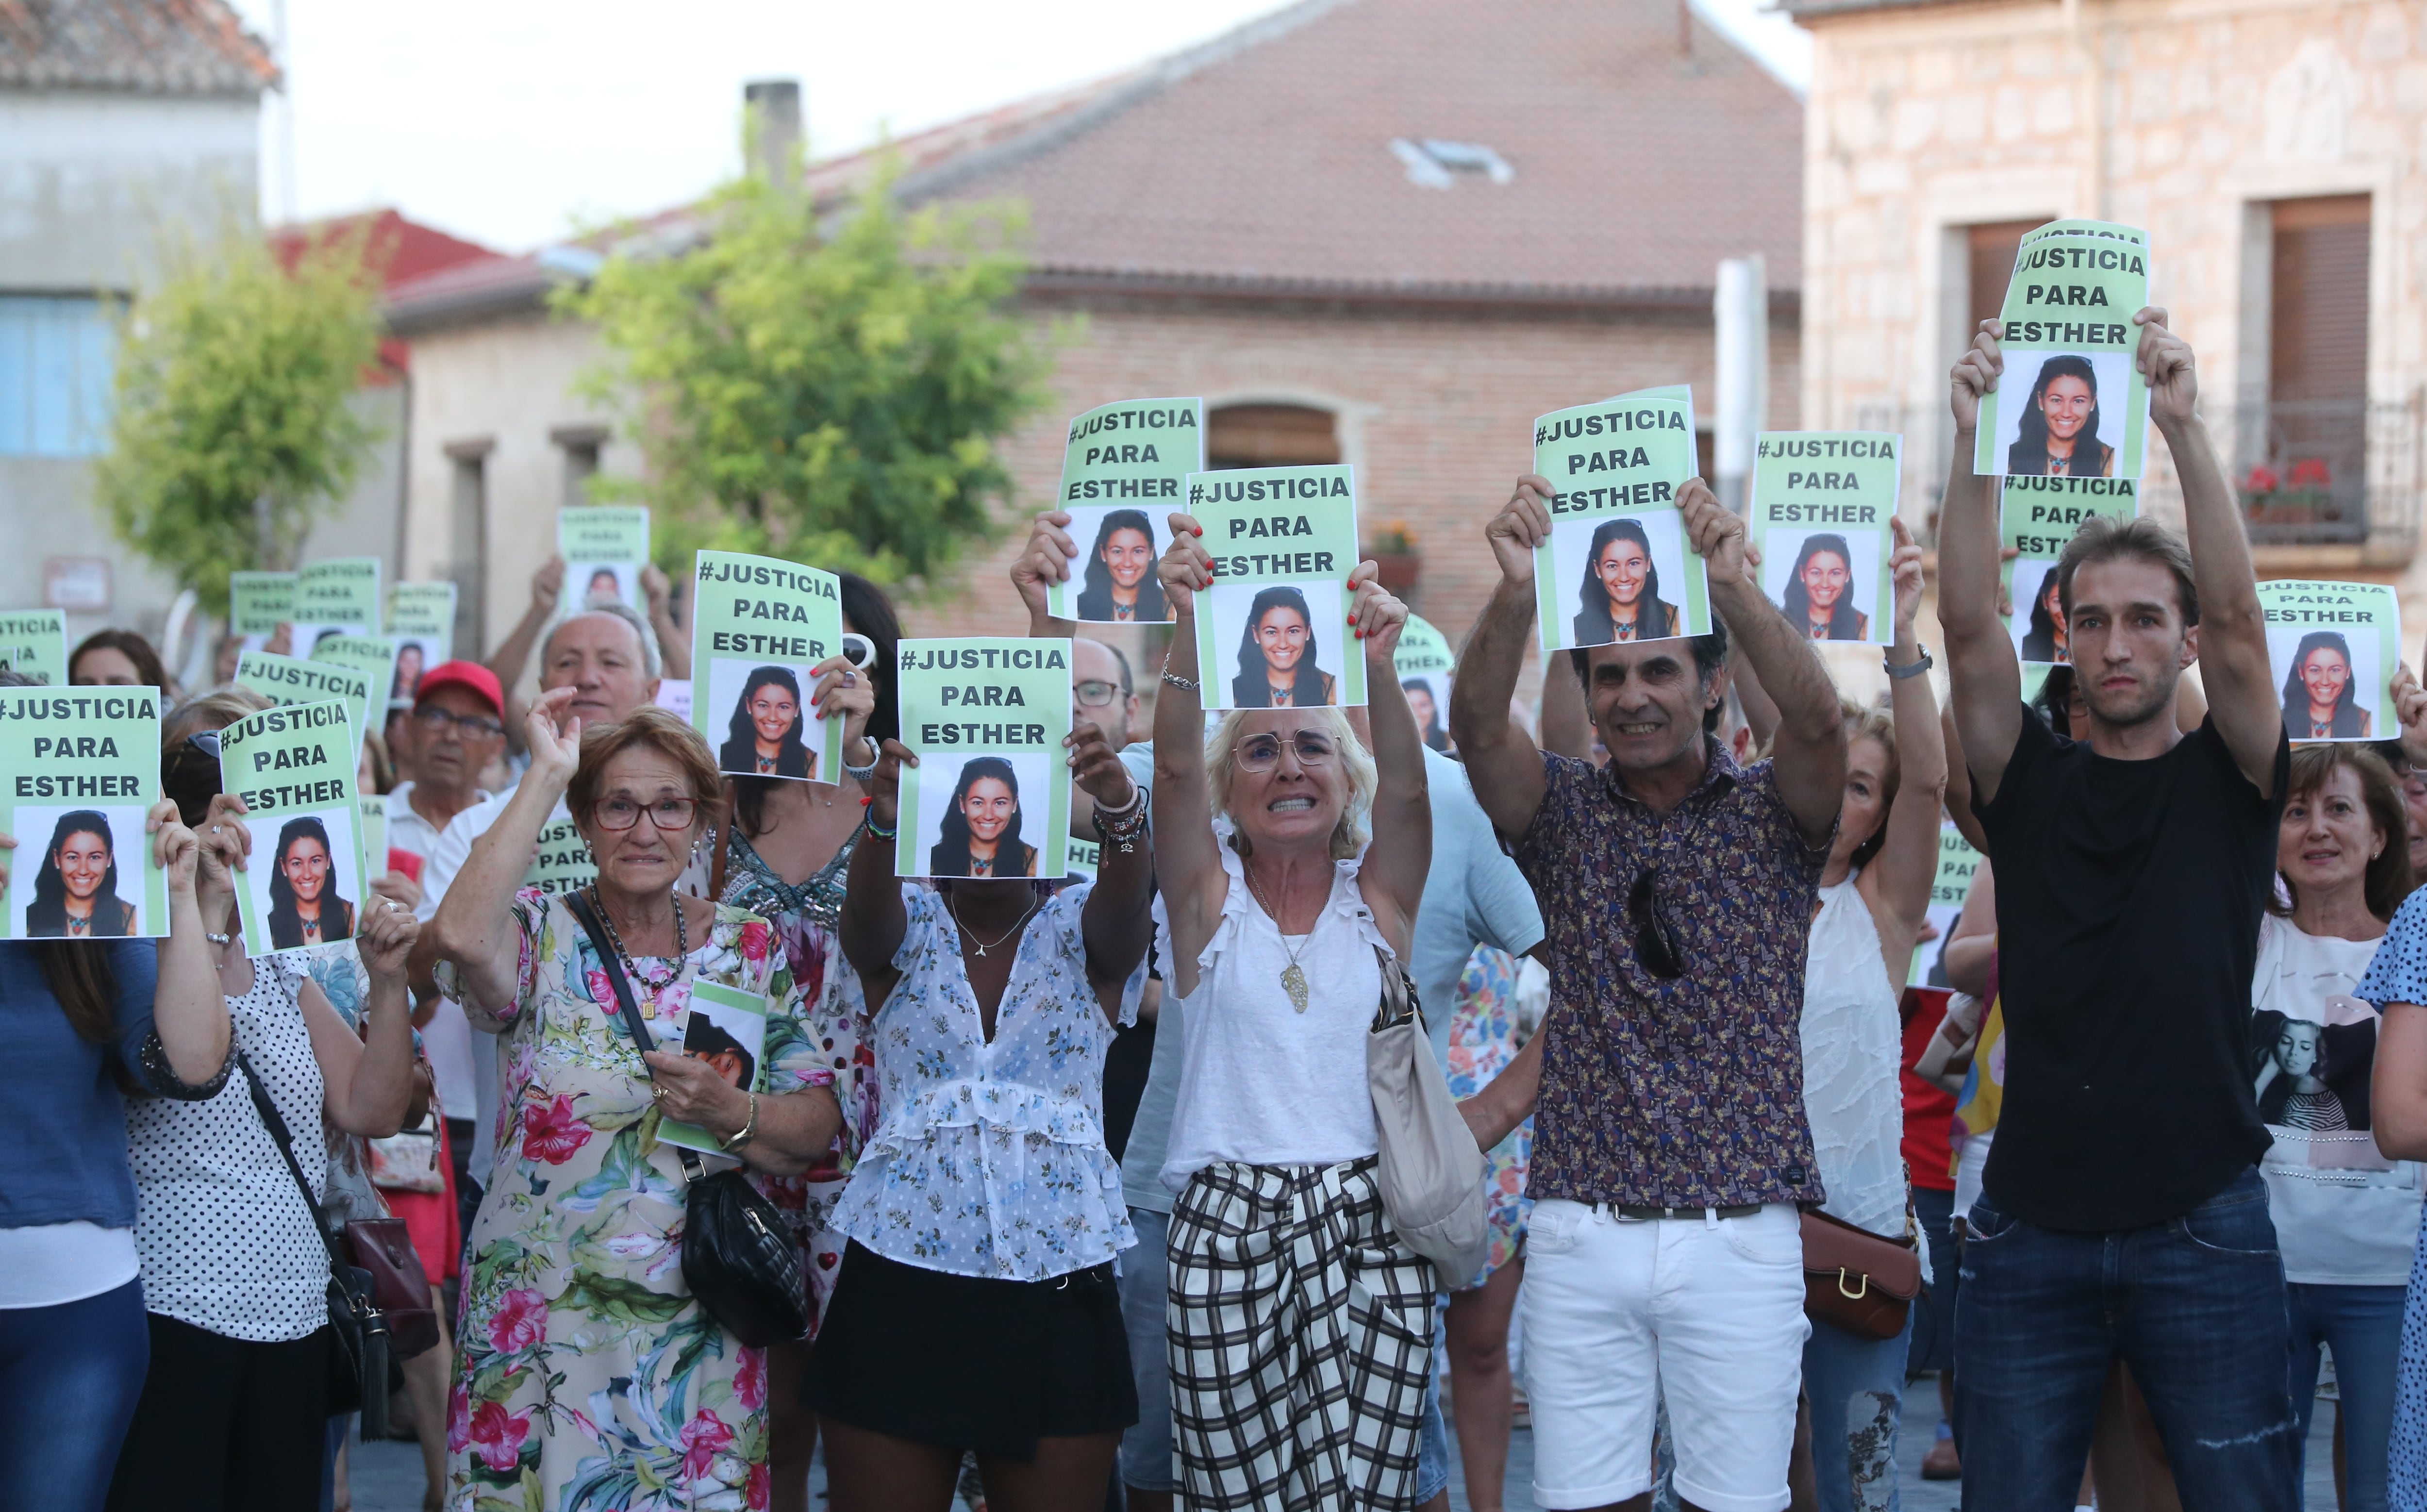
{"x":1854,"y":1048}
{"x":1263,"y":1084}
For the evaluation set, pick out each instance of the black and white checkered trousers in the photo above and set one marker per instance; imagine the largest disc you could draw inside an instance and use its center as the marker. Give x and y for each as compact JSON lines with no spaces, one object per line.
{"x":1301,"y":1334}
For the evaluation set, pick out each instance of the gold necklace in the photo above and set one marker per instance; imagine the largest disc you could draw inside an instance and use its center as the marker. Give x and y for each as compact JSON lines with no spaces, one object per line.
{"x":1293,"y":976}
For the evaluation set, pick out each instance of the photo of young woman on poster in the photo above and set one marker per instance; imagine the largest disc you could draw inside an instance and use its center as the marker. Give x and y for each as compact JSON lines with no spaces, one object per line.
{"x":1619,"y":598}
{"x":2321,"y":693}
{"x":409,"y":667}
{"x":1820,"y":594}
{"x":705,"y":1039}
{"x":2057,"y":432}
{"x":1428,"y":712}
{"x":1278,"y":654}
{"x":1119,"y":583}
{"x":979,"y":835}
{"x":765,"y":736}
{"x":2045,"y":641}
{"x":75,"y":893}
{"x":305,"y":906}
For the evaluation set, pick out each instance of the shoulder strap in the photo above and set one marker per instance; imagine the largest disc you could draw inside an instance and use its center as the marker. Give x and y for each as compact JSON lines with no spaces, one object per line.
{"x":1399,"y":1003}
{"x":285,"y":1142}
{"x":612,"y":963}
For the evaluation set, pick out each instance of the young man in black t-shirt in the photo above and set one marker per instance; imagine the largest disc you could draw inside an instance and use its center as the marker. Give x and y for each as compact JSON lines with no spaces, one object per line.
{"x":2122,"y":1216}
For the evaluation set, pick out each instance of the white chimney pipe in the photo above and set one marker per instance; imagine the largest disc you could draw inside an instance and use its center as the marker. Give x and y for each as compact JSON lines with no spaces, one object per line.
{"x":772,"y":108}
{"x":1740,"y":321}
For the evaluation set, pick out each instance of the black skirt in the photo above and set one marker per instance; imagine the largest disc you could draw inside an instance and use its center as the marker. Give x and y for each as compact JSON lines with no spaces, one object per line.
{"x":969,"y":1362}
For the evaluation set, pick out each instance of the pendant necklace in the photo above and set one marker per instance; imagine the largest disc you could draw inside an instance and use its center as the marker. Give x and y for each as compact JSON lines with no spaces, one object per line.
{"x":996,"y":944}
{"x":1293,"y":976}
{"x":682,"y":943}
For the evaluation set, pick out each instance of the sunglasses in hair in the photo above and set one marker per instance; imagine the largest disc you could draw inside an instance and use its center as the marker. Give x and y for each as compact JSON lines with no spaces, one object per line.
{"x":1655,"y":938}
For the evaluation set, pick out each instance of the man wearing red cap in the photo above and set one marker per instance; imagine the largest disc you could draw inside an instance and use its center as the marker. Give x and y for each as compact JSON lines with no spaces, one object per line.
{"x":458,"y":727}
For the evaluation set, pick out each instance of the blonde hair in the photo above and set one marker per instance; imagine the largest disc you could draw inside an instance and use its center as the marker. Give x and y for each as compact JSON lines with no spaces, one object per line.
{"x":1877,"y":723}
{"x":1350,"y":835}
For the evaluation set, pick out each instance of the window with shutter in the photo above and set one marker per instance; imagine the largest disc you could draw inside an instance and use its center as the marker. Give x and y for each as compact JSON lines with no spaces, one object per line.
{"x":1270,"y":435}
{"x":2316,"y":419}
{"x":57,"y":368}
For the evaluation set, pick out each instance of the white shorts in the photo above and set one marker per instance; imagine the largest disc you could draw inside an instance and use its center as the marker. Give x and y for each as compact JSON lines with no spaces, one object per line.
{"x":1616,"y":1312}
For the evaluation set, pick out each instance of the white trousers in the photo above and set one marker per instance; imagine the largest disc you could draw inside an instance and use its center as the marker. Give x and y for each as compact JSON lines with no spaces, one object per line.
{"x":1618,"y":1312}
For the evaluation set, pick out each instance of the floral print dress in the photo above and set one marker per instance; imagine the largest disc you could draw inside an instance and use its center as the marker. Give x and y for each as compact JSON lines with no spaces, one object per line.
{"x":1484,"y":1037}
{"x":587,"y":1378}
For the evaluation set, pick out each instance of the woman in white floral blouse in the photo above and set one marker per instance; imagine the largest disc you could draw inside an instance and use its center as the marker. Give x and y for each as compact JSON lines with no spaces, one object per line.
{"x":975,"y":1307}
{"x":589,"y":1376}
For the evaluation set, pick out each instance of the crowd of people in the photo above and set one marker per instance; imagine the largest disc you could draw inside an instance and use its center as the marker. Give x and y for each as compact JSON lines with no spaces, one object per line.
{"x":2152,"y":1165}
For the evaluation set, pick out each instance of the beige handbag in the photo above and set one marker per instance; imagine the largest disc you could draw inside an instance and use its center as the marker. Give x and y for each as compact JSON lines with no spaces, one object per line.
{"x":1431,"y":1170}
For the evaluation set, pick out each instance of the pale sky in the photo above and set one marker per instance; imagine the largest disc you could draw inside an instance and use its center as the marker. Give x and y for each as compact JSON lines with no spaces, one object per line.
{"x":510,"y":120}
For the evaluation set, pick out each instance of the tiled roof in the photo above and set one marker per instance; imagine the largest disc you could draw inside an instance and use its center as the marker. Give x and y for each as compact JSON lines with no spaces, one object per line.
{"x":150,"y":46}
{"x":1285,"y":158}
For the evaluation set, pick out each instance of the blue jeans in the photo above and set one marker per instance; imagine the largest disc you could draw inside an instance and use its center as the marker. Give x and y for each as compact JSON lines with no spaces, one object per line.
{"x":1934,"y":1324}
{"x":70,"y":1377}
{"x":2362,"y":1324}
{"x":2195,"y":1306}
{"x":1855,"y":1387}
{"x":1144,"y":1277}
{"x":1432,"y":1448}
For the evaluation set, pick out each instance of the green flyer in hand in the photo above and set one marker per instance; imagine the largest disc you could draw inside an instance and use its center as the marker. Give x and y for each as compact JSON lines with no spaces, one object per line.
{"x":727,"y":1029}
{"x":1822,"y":503}
{"x":604,"y":546}
{"x":561,"y":862}
{"x":1273,"y":631}
{"x":373,"y":808}
{"x":1425,"y":663}
{"x":1124,"y":469}
{"x":305,"y":878}
{"x":34,"y":642}
{"x":421,"y":616}
{"x":758,"y":626}
{"x":374,"y":657}
{"x":990,"y":796}
{"x":2036,"y":516}
{"x":1618,"y":565}
{"x":1957,"y":861}
{"x":336,"y":597}
{"x":2072,"y":402}
{"x":288,"y":681}
{"x":81,"y":767}
{"x":259,"y":603}
{"x":2334,"y":648}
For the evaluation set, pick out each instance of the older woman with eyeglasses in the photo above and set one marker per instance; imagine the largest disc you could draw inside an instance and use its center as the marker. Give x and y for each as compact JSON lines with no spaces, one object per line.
{"x":1291,"y":863}
{"x":586,"y":1363}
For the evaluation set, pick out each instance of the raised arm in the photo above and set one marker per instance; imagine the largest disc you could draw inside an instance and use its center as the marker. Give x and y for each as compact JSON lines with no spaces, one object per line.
{"x":1187,"y":863}
{"x":1898,"y":881}
{"x":1810,"y":746}
{"x":2397,"y":1096}
{"x":1392,"y":876}
{"x":1500,"y":761}
{"x":1043,"y":562}
{"x":514,"y":653}
{"x":674,"y":641}
{"x":2242,"y":697}
{"x":474,"y":927}
{"x":1118,"y":921}
{"x":1974,"y":940}
{"x":1984,"y":679}
{"x":1567,"y":724}
{"x":368,"y":1075}
{"x":188,"y":1009}
{"x":1959,"y":787}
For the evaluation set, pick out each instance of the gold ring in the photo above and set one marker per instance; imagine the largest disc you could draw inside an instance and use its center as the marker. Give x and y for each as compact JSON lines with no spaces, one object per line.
{"x":658,"y":1093}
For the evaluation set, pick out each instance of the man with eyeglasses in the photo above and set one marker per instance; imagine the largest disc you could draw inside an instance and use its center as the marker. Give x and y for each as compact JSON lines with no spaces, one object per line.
{"x":456,"y":727}
{"x":1664,"y":1257}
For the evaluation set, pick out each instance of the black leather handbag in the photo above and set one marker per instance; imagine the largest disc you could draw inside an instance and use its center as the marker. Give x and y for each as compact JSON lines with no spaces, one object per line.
{"x":736,"y":1257}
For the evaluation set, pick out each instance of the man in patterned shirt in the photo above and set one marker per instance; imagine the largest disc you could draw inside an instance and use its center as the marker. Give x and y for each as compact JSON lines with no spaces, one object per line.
{"x":1671,"y":1152}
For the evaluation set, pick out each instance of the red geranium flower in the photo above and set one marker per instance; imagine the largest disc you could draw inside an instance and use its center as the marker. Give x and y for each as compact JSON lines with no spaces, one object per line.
{"x":2312,"y":472}
{"x":519,"y":1322}
{"x":2261,"y":480}
{"x":459,"y":1419}
{"x":702,"y":1436}
{"x":755,"y":937}
{"x":552,"y":1133}
{"x":498,"y":1434}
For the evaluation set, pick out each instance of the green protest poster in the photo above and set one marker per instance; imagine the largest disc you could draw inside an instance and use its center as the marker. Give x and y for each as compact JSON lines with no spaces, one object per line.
{"x":259,"y":603}
{"x":1618,"y":565}
{"x":2095,"y":230}
{"x":561,"y":862}
{"x":1084,"y":857}
{"x":374,"y":657}
{"x":2036,"y":516}
{"x":340,"y":596}
{"x":1425,"y":663}
{"x":2072,"y":402}
{"x":1957,"y":861}
{"x":374,"y":811}
{"x":990,"y":796}
{"x":34,"y":642}
{"x":2333,"y":647}
{"x":604,"y":546}
{"x":1273,"y":631}
{"x":1124,"y":469}
{"x":421,"y":616}
{"x":727,"y":1029}
{"x":1822,"y":502}
{"x":288,"y":681}
{"x":758,"y":626}
{"x":82,"y":765}
{"x":306,"y":880}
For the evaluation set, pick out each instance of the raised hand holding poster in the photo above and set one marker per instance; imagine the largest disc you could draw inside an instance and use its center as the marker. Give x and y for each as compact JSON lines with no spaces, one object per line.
{"x":34,"y":643}
{"x":1822,"y":502}
{"x":305,"y":877}
{"x":604,"y":546}
{"x":82,"y":765}
{"x":2071,"y":402}
{"x":340,"y":596}
{"x":1425,"y":663}
{"x":2036,"y":516}
{"x":288,"y":681}
{"x":421,"y":616}
{"x":259,"y":603}
{"x":990,"y":796}
{"x":1124,"y":467}
{"x":1271,"y":632}
{"x":1617,"y":566}
{"x":2334,"y":648}
{"x":760,"y":627}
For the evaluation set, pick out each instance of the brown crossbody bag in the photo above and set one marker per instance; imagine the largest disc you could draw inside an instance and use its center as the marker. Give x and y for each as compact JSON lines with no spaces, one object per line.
{"x":1858,"y":1281}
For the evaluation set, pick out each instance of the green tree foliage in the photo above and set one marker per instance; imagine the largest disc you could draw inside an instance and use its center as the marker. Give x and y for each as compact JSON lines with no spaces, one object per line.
{"x":824,"y":389}
{"x":235,"y":428}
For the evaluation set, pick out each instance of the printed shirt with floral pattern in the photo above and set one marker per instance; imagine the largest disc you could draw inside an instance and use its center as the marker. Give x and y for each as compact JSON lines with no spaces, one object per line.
{"x":1684,"y":1093}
